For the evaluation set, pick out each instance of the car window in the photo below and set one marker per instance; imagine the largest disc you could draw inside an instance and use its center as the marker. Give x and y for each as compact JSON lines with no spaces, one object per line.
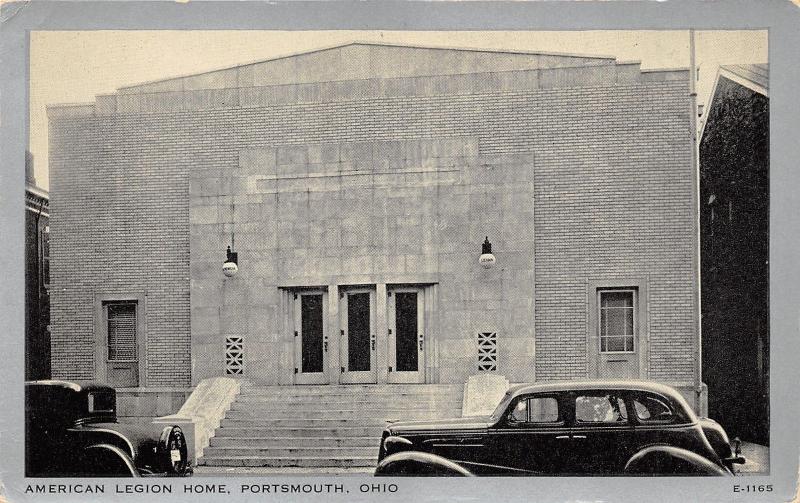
{"x":535,"y":410}
{"x":600,"y":408}
{"x":652,"y":409}
{"x":501,"y":407}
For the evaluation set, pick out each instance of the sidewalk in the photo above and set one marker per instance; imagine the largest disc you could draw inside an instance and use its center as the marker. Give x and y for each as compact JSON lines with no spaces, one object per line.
{"x":757,"y":457}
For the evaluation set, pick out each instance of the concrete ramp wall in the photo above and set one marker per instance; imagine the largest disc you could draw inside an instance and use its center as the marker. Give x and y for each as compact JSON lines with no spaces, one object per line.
{"x":203,"y":411}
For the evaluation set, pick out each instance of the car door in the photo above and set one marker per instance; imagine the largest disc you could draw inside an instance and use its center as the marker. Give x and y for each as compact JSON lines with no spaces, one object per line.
{"x":601,"y":433}
{"x":530,"y":435}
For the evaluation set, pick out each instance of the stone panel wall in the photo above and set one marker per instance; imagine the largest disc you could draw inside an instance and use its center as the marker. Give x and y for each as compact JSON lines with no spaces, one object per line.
{"x":365,"y":213}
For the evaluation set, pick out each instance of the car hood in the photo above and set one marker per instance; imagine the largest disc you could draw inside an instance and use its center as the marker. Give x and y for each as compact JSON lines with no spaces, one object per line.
{"x":459,"y":423}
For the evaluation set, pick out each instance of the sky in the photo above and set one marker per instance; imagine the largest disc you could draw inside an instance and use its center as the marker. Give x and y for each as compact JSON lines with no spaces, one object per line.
{"x":75,"y":66}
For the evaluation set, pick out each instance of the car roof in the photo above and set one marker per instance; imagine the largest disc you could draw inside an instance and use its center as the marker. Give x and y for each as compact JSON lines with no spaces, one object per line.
{"x":621,"y":384}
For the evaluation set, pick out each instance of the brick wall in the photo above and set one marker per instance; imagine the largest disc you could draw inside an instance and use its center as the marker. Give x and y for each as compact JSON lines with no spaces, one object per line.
{"x":611,"y":183}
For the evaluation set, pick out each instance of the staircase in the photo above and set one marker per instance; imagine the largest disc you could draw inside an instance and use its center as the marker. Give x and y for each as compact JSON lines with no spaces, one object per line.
{"x":321,"y":426}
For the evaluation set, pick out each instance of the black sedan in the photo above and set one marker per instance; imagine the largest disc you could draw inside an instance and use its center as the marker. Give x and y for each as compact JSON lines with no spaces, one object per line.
{"x":572,"y":428}
{"x":71,"y":430}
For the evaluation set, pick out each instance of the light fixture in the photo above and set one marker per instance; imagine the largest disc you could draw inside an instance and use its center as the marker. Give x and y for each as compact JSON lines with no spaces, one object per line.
{"x":230,"y":267}
{"x":486,"y":259}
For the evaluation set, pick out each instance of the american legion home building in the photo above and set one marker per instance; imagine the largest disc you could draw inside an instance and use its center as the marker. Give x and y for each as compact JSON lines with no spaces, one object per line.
{"x":356,"y":187}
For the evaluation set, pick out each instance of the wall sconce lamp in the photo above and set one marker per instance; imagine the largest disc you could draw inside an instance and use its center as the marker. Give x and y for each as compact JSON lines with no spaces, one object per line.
{"x":487,"y":260}
{"x":230,"y":267}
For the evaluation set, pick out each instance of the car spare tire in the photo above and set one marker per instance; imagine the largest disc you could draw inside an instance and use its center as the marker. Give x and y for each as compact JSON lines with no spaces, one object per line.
{"x":171,"y":452}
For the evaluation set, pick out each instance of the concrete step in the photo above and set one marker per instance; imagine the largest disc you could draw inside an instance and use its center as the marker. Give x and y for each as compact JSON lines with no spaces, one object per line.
{"x":341,"y":462}
{"x":301,"y":423}
{"x":247,"y":387}
{"x":320,"y":426}
{"x":323,"y":402}
{"x":288,"y":451}
{"x":342,"y":414}
{"x":374,"y":394}
{"x":309,"y":441}
{"x":239,"y":430}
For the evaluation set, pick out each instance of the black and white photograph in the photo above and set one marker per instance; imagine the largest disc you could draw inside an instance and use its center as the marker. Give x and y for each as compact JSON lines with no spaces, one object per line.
{"x":269,"y":265}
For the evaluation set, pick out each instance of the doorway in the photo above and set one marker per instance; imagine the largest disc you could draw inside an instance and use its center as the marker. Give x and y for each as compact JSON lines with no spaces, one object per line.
{"x":406,"y":322}
{"x":358,"y":336}
{"x":310,"y":338}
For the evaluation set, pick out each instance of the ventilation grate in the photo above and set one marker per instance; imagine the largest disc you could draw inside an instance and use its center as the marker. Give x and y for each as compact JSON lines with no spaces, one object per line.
{"x":234,"y":355}
{"x":487,"y":351}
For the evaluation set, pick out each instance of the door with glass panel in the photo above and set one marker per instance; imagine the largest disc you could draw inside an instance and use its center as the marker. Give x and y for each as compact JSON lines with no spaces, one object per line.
{"x":310,"y":338}
{"x":121,"y":324}
{"x":357,"y":346}
{"x":618,"y":333}
{"x":406,"y":322}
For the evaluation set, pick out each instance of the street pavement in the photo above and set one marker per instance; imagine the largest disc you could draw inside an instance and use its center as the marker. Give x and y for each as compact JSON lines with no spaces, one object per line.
{"x":757,"y":457}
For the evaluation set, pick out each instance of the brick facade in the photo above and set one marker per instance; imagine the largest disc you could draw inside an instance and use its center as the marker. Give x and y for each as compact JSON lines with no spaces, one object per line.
{"x":577,"y":169}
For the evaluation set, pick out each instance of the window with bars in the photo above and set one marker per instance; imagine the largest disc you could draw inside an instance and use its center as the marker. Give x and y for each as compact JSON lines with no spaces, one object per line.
{"x":121,"y":331}
{"x":234,"y":355}
{"x":487,"y":351}
{"x":617,"y":320}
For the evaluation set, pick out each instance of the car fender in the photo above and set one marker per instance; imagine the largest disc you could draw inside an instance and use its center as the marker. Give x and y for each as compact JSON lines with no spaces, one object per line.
{"x":669,"y":460}
{"x":393,"y":445}
{"x":110,"y":458}
{"x":419,"y":464}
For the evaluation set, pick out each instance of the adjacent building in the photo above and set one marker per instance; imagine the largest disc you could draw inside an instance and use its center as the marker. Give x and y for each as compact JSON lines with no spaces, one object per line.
{"x":37,"y":277}
{"x":734,"y":215}
{"x":357,"y":185}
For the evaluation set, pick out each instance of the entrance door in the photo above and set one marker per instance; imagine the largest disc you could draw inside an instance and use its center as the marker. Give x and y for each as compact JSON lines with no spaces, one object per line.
{"x":406,"y":320}
{"x":357,"y":353}
{"x":310,"y":338}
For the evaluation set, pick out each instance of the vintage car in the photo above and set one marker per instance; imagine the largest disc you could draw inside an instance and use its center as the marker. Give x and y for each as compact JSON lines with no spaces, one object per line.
{"x":71,"y":430}
{"x":572,"y":428}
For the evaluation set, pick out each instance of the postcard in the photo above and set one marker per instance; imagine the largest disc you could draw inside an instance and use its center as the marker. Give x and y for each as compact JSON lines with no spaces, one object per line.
{"x":358,"y":251}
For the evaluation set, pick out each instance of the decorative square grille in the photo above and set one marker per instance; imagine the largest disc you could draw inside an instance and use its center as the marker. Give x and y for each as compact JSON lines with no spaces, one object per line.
{"x":487,"y":351}
{"x":234,"y":355}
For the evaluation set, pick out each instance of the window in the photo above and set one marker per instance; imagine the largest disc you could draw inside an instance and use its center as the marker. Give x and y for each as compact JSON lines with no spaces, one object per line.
{"x":604,"y":408}
{"x":536,"y":410}
{"x":101,"y":402}
{"x":651,"y":409}
{"x":122,"y":331}
{"x":617,"y":320}
{"x":45,"y":240}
